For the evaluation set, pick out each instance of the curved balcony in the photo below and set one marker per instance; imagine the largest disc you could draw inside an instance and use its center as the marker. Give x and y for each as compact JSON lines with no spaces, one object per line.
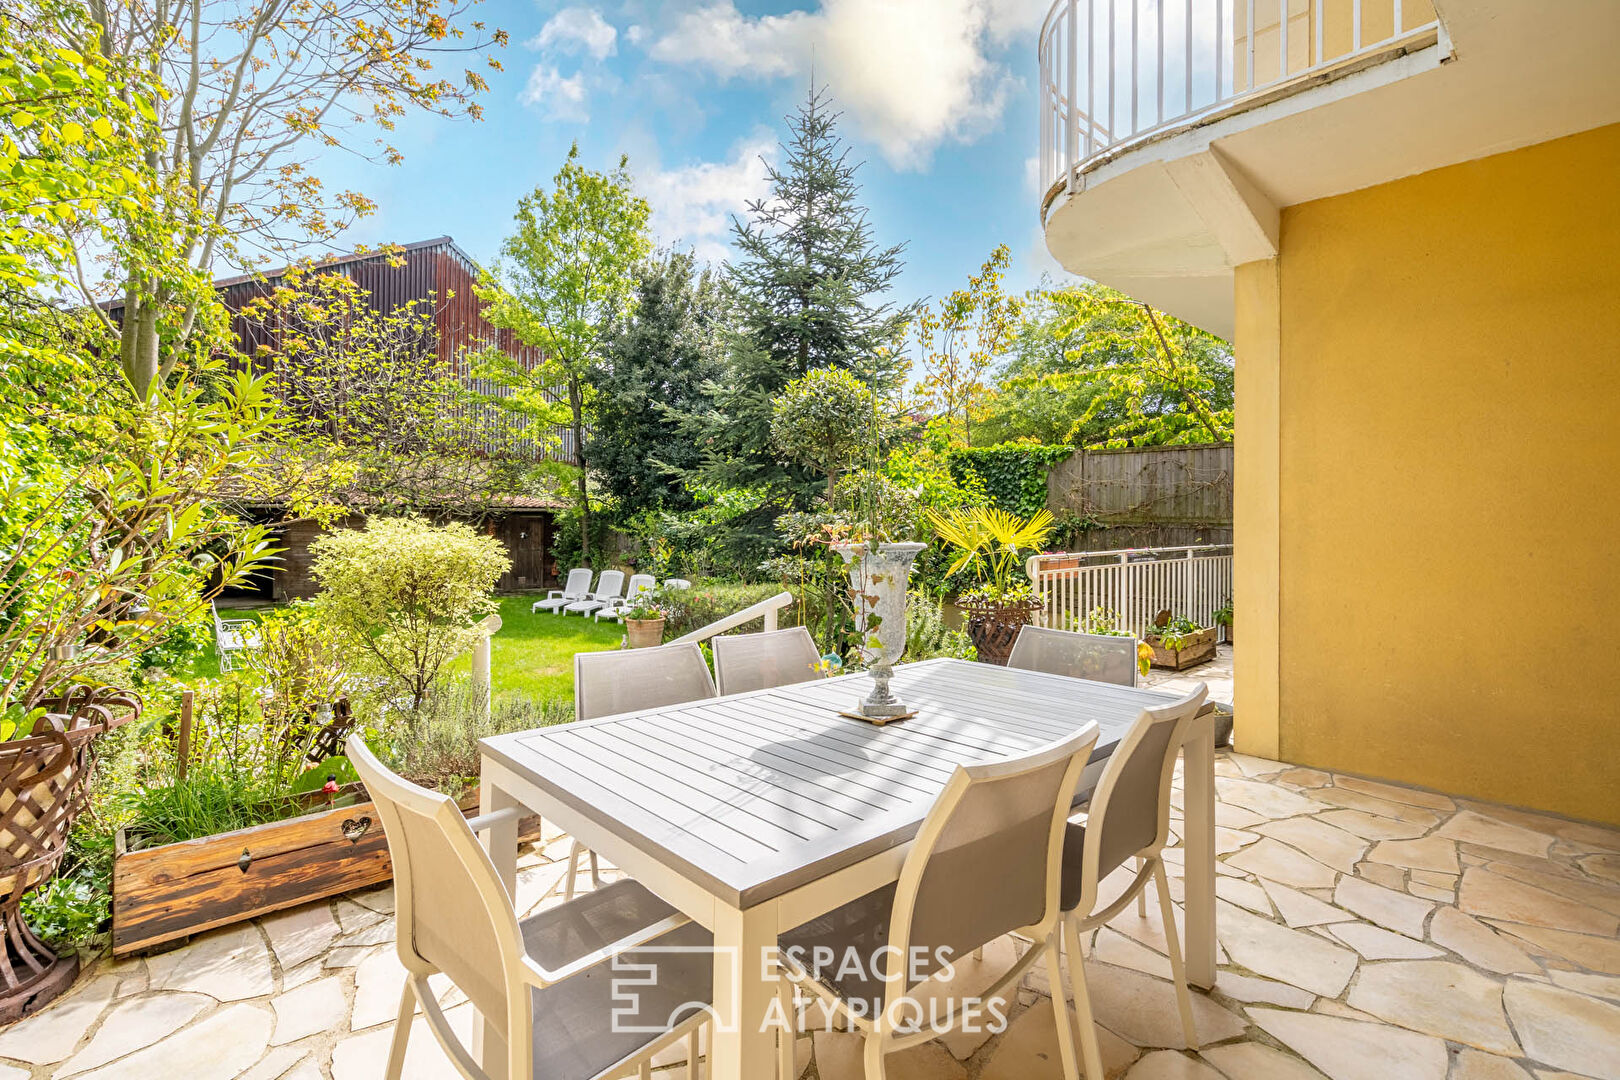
{"x":1117,"y":73}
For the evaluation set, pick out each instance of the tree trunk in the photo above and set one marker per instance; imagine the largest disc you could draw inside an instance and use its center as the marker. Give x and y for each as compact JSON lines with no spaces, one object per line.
{"x":576,"y":404}
{"x":138,"y":342}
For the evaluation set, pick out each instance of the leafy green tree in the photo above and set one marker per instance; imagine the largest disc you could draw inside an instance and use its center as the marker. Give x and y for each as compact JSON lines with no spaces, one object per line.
{"x":566,"y":283}
{"x":1091,"y":367}
{"x":243,"y":91}
{"x":963,"y":339}
{"x":824,"y":420}
{"x":658,"y":367}
{"x":405,"y":597}
{"x":1166,"y":380}
{"x":122,"y":541}
{"x":810,"y":285}
{"x":373,"y":415}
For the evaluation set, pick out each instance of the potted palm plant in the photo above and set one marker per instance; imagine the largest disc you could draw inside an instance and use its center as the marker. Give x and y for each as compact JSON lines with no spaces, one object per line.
{"x":991,"y":542}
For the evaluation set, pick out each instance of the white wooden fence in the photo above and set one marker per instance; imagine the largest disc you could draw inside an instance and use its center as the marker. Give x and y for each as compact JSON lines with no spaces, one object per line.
{"x":1136,"y":584}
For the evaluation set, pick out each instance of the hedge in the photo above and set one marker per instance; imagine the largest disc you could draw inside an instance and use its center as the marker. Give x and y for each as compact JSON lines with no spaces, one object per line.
{"x":1013,"y":474}
{"x":697,"y":607}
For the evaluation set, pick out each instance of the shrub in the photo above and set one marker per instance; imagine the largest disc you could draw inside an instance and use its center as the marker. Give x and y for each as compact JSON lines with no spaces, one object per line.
{"x":436,"y":743}
{"x":928,"y":636}
{"x":694,"y":608}
{"x":405,"y":596}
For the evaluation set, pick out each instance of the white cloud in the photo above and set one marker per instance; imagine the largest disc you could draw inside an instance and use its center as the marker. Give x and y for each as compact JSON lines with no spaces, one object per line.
{"x":692,"y":205}
{"x":910,"y":73}
{"x":565,"y":99}
{"x":577,"y":29}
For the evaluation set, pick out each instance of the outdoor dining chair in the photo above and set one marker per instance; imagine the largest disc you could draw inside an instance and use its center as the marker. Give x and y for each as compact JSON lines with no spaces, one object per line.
{"x":576,"y":587}
{"x":987,"y":861}
{"x":1129,"y":818}
{"x":541,"y":983}
{"x":628,"y":680}
{"x":609,"y":590}
{"x":1100,"y":657}
{"x":744,"y":662}
{"x":639,"y":584}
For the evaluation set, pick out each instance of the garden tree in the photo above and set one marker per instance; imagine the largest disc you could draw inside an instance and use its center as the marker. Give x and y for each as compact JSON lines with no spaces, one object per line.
{"x":247,"y":92}
{"x":809,"y":282}
{"x":960,"y":342}
{"x":825,"y":420}
{"x":405,"y":597}
{"x":1087,"y":369}
{"x":655,"y":369}
{"x":1166,"y":380}
{"x":373,"y":415}
{"x":125,"y":540}
{"x":565,"y":284}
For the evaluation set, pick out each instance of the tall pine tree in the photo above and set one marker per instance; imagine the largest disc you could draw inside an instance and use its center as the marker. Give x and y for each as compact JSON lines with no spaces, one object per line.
{"x":809,"y":285}
{"x":659,"y":368}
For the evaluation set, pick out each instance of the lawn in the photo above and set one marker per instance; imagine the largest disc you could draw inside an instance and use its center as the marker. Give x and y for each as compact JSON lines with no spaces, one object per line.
{"x":533,"y":654}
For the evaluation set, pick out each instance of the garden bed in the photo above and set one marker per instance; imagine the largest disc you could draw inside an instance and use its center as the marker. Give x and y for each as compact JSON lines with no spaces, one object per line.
{"x":1195,"y":648}
{"x":171,"y":891}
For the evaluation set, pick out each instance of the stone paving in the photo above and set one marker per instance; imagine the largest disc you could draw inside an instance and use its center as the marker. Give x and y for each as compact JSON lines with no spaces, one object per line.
{"x":1367,"y":932}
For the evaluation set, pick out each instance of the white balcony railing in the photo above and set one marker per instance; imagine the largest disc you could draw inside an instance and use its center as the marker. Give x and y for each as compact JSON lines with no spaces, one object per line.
{"x":1115,"y":71}
{"x":1134,"y":584}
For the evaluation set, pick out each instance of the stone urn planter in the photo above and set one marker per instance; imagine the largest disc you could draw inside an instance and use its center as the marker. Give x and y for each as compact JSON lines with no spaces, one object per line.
{"x":643,"y":633}
{"x":43,"y":782}
{"x":881,"y":582}
{"x":994,"y":627}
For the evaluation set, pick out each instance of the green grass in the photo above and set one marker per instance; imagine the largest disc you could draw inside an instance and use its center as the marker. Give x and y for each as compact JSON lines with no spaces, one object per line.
{"x":533,"y":654}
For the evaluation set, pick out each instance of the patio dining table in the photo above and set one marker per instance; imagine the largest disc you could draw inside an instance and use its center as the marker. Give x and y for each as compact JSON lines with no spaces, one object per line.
{"x":757,"y":812}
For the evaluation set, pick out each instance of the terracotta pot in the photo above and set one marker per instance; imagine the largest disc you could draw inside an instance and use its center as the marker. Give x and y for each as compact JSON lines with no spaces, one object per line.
{"x":643,"y":633}
{"x":994,"y":627}
{"x":43,"y":782}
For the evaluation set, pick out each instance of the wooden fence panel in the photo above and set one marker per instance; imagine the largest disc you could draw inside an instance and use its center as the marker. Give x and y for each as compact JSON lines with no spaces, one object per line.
{"x":1157,"y":496}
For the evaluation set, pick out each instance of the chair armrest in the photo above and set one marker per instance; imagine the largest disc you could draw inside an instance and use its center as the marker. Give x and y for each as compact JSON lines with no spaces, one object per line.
{"x":552,"y":594}
{"x":541,"y":977}
{"x":496,"y":817}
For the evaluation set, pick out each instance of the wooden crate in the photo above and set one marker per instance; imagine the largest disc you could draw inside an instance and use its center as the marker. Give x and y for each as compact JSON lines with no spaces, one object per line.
{"x":1195,"y":649}
{"x":163,"y":893}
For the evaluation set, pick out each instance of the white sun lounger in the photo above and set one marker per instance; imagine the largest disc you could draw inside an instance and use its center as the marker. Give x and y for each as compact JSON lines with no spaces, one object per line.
{"x":577,"y":587}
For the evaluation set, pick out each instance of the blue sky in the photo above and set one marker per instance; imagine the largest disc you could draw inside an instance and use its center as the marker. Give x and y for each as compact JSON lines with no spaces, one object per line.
{"x":937,"y":96}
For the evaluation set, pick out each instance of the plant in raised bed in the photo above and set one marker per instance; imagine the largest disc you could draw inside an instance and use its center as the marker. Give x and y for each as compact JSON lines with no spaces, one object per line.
{"x":1105,"y":621}
{"x":1179,"y":642}
{"x":1223,"y":619}
{"x":990,"y":543}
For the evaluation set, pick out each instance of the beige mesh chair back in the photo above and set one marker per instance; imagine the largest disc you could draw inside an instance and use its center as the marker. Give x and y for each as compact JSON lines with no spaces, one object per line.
{"x":744,"y":662}
{"x":452,"y":911}
{"x":627,"y":680}
{"x":1129,"y":818}
{"x":1100,"y":657}
{"x":529,"y":979}
{"x":987,"y":861}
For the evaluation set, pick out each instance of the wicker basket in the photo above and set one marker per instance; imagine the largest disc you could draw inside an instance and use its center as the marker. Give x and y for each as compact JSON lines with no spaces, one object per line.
{"x":42,"y":788}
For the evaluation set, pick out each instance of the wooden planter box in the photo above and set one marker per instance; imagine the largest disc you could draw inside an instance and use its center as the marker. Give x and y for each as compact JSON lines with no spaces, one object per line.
{"x":1195,"y":649}
{"x":171,"y":891}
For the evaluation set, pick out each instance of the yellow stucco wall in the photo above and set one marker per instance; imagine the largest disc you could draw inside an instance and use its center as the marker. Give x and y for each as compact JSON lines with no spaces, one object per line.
{"x":1448,"y":488}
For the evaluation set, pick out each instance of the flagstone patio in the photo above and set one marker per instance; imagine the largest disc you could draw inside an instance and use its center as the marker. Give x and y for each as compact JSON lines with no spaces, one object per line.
{"x":1367,"y":932}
